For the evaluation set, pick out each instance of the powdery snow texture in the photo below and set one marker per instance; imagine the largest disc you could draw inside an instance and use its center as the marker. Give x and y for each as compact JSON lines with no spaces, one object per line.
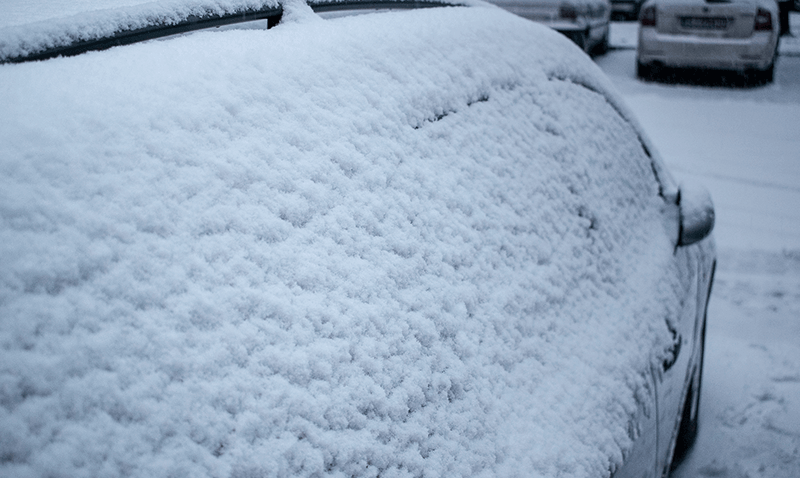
{"x":30,"y":27}
{"x":392,"y":244}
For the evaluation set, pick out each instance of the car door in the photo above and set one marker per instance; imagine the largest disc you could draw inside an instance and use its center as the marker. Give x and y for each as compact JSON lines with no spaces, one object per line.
{"x":674,"y":371}
{"x":640,"y":462}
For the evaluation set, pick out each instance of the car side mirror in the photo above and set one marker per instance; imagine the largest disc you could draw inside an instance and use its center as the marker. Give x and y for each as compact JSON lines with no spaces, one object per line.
{"x":696,"y":214}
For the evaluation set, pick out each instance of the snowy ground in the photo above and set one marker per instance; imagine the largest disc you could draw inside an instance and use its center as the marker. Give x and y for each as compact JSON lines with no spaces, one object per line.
{"x":743,"y":144}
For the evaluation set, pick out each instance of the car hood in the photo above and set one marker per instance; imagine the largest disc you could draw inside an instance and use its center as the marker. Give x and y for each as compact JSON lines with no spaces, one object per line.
{"x":376,"y":245}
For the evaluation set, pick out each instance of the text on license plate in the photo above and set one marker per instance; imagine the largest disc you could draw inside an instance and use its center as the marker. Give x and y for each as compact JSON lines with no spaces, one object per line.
{"x":705,"y":23}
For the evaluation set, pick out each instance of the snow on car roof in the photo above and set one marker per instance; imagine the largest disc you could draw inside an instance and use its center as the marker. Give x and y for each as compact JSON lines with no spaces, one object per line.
{"x":410,"y":244}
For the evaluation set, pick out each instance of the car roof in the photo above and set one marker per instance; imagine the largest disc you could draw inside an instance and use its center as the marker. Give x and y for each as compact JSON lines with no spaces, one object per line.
{"x":406,"y":243}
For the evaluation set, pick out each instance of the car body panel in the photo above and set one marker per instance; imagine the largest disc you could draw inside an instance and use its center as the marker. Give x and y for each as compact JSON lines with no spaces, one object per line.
{"x":653,"y":452}
{"x":640,"y":460}
{"x":675,"y":377}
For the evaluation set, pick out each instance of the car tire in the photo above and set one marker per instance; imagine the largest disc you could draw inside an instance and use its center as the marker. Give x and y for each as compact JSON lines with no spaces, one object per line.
{"x":761,"y":77}
{"x":768,"y":75}
{"x":602,"y":47}
{"x":643,"y":71}
{"x":687,"y":432}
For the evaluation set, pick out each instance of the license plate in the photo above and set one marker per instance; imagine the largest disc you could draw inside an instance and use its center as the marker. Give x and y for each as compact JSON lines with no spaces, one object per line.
{"x":704,"y":23}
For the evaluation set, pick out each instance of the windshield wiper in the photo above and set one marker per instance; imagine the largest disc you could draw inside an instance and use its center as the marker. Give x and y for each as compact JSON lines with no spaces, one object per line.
{"x":163,"y":28}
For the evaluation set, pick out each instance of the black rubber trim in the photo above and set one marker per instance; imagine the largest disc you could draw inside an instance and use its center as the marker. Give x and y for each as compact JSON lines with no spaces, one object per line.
{"x":273,"y":16}
{"x":127,"y":37}
{"x":379,"y":5}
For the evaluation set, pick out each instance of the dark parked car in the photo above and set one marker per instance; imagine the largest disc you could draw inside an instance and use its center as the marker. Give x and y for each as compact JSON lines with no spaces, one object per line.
{"x":428,"y":242}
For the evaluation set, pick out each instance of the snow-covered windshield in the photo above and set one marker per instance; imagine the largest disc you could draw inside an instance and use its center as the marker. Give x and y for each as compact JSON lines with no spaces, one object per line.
{"x":409,"y":243}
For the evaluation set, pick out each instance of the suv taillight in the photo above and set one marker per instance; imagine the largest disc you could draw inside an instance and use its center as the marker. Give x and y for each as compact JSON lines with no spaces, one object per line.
{"x":648,"y":17}
{"x":763,"y":20}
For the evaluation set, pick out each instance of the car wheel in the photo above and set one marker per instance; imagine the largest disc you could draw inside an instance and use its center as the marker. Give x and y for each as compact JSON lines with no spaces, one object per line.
{"x":687,"y":433}
{"x":761,"y":77}
{"x":644,"y":71}
{"x":602,"y":47}
{"x":768,"y":75}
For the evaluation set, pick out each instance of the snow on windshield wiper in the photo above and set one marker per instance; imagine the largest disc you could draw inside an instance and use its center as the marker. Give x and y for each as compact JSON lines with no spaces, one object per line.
{"x":101,"y":30}
{"x":75,"y":46}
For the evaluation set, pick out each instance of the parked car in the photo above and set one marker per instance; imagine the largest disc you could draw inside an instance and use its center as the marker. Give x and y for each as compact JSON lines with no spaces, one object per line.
{"x":430,"y":242}
{"x":741,"y":35}
{"x":585,"y":22}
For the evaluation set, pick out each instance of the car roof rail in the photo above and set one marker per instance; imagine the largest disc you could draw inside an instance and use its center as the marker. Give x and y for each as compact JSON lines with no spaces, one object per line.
{"x":71,"y":44}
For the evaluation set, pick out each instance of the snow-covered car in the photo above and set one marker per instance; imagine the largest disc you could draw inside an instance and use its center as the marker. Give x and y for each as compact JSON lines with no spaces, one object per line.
{"x":585,"y":22}
{"x":739,"y":35}
{"x":424,"y":242}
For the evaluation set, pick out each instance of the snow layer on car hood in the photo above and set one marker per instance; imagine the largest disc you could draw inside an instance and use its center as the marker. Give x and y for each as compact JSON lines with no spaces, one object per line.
{"x":401,"y":244}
